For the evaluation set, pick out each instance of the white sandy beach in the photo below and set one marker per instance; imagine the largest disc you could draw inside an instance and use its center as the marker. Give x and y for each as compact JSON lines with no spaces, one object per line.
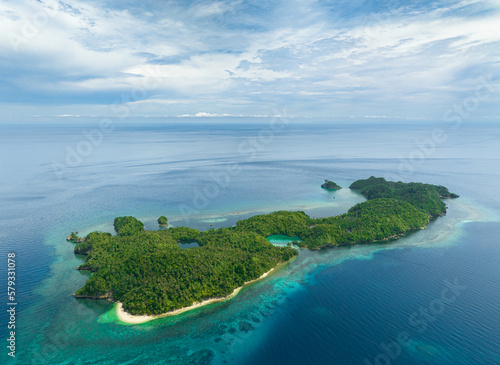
{"x":133,"y":319}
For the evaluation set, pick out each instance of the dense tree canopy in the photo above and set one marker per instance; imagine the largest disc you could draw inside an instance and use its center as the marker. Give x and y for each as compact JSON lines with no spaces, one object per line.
{"x":369,"y":221}
{"x":330,"y":185}
{"x":424,"y":196}
{"x":163,"y":221}
{"x":150,"y":274}
{"x":128,"y":226}
{"x":281,"y":222}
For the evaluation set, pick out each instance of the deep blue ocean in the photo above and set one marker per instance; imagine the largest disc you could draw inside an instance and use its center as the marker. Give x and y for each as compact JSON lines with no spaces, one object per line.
{"x":430,"y":298}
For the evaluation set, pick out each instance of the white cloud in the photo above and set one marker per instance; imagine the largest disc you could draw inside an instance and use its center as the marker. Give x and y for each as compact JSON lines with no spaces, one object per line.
{"x":214,"y":8}
{"x":182,"y":57}
{"x":212,"y":115}
{"x":163,"y":101}
{"x":261,"y":74}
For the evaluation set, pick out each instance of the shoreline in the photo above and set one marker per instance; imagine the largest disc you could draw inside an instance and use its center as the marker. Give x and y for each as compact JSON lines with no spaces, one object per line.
{"x":128,"y":318}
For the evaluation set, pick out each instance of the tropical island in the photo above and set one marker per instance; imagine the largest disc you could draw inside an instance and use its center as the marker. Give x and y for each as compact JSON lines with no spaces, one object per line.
{"x":163,"y":221}
{"x":330,"y":185}
{"x":148,"y":273}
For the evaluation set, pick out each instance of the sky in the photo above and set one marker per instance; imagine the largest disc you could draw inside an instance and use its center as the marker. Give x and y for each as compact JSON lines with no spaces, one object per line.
{"x":358,"y":59}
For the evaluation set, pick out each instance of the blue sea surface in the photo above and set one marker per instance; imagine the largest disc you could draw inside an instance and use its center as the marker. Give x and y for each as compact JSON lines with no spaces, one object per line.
{"x":430,"y":298}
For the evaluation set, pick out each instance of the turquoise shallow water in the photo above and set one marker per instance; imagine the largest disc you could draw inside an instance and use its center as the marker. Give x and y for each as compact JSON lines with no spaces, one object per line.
{"x":336,"y":306}
{"x":281,"y":240}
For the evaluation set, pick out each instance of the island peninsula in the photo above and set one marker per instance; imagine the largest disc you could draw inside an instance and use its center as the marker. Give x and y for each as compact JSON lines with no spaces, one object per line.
{"x":150,"y":275}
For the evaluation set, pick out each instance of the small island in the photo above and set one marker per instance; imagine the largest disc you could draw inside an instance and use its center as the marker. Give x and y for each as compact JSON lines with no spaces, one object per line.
{"x":73,"y":237}
{"x":163,"y":221}
{"x":330,"y":185}
{"x":149,"y":275}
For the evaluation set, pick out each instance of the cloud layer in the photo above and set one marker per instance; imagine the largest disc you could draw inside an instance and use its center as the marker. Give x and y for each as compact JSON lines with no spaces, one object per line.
{"x":215,"y":58}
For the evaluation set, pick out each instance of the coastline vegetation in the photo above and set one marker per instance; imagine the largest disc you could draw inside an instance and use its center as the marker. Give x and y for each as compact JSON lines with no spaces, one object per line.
{"x":128,"y":226}
{"x":423,"y":196}
{"x":330,"y":185}
{"x":163,"y":221}
{"x":73,"y":237}
{"x":150,"y":274}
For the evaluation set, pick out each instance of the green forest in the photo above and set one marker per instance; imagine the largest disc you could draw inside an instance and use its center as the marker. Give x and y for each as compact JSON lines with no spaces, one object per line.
{"x":128,"y":226}
{"x":163,"y":221}
{"x":150,"y":274}
{"x":330,"y":185}
{"x":423,"y":196}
